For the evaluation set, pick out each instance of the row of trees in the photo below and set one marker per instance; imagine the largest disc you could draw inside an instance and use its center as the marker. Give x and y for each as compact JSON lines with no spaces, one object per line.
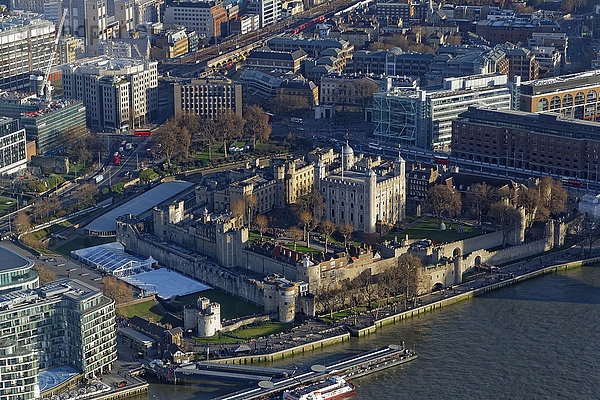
{"x":404,"y":279}
{"x":540,"y":202}
{"x":176,"y":136}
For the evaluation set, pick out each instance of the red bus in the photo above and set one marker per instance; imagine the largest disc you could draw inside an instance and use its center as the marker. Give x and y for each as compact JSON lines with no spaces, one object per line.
{"x":441,"y":160}
{"x":572,"y":183}
{"x":117,"y":158}
{"x":143,"y":133}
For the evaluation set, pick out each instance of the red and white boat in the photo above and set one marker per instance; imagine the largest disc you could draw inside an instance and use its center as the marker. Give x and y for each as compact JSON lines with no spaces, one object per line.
{"x":333,"y":388}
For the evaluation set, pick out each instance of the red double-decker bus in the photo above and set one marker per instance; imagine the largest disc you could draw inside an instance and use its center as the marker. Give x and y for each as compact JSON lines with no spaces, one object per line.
{"x":572,"y":183}
{"x":117,"y":158}
{"x":441,"y":160}
{"x":143,"y":133}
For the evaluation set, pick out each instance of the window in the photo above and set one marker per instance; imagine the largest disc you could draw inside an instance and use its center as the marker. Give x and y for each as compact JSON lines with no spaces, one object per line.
{"x":542,"y":105}
{"x":555,"y":103}
{"x":592,"y":96}
{"x":579,"y":98}
{"x":567,"y":100}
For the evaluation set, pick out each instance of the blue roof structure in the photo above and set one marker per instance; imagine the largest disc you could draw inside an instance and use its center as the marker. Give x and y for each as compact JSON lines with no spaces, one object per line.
{"x":112,"y":259}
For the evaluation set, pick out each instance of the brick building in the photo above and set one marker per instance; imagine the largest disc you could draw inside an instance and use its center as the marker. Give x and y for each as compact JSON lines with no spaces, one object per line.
{"x":547,"y":143}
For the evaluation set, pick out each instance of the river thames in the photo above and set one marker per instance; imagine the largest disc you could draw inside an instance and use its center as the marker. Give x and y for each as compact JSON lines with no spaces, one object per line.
{"x":536,"y":340}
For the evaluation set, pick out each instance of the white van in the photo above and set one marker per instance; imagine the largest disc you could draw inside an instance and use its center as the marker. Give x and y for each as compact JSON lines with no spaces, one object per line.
{"x":297,"y":120}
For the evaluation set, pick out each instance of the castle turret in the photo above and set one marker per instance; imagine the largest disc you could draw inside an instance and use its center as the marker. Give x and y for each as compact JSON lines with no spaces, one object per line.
{"x":371,"y":214}
{"x":287,"y":302}
{"x":347,"y":156}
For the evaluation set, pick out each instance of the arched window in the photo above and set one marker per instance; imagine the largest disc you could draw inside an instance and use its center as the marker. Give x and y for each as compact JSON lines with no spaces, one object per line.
{"x":579,"y":98}
{"x":542,"y":105}
{"x":567,"y":100}
{"x":555,"y":103}
{"x":592,"y":96}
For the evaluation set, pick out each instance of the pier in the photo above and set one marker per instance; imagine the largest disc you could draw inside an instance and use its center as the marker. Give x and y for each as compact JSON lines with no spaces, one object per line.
{"x":219,"y":371}
{"x":353,"y":367}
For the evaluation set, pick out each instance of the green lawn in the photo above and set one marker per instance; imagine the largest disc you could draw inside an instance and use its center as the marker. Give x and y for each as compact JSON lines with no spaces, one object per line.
{"x":231,"y":306}
{"x":302,"y":249}
{"x":218,"y":338}
{"x":215,"y":154}
{"x":82,"y":241}
{"x":7,"y":204}
{"x":428,"y":229}
{"x":252,"y":236}
{"x":248,"y":332}
{"x":262,"y":329}
{"x":149,"y":309}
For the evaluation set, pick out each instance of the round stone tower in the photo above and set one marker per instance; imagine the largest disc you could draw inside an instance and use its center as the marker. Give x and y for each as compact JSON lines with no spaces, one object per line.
{"x":287,"y":302}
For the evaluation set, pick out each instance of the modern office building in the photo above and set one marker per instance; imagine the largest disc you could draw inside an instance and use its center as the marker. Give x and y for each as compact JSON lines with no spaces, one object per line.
{"x":543,"y":142}
{"x":13,"y":156}
{"x":245,"y":24}
{"x":25,"y":46}
{"x":16,"y":272}
{"x":575,"y":95}
{"x":44,"y":121}
{"x":392,"y":62}
{"x":147,"y":11}
{"x":207,"y":97}
{"x":203,"y":17}
{"x":70,"y":49}
{"x":268,"y":11}
{"x":119,"y":94}
{"x":423,"y":118}
{"x":125,"y":15}
{"x":53,"y":119}
{"x":87,"y":19}
{"x":66,"y":322}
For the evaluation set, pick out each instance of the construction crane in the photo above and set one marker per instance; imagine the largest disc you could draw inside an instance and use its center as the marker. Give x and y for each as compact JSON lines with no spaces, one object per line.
{"x":45,"y":89}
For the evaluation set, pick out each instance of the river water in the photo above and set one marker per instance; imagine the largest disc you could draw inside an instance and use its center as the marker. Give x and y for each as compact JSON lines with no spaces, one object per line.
{"x":536,"y":340}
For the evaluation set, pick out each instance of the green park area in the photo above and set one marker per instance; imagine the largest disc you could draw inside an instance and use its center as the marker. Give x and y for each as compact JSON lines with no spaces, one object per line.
{"x":7,"y":204}
{"x":149,"y":309}
{"x":428,"y":229}
{"x":251,"y":331}
{"x":231,"y":306}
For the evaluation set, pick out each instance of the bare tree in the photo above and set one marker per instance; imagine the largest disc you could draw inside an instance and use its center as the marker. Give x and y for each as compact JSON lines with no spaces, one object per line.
{"x":479,"y":198}
{"x":346,"y":229}
{"x":410,"y":274}
{"x":238,"y":209}
{"x":46,"y":275}
{"x":116,"y":289}
{"x":172,"y":139}
{"x":531,"y":201}
{"x":507,"y":217}
{"x":295,"y":234}
{"x":443,"y":199}
{"x":368,"y":287}
{"x":22,"y":222}
{"x":262,"y":223}
{"x":229,"y":126}
{"x":327,"y":227}
{"x":257,"y":124}
{"x":250,"y":203}
{"x":306,"y":219}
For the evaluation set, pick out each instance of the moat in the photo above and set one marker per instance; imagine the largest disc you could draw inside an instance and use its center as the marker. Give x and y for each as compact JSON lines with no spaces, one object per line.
{"x":536,"y":340}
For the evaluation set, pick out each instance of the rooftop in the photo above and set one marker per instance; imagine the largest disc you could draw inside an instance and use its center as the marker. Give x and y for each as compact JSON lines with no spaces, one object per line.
{"x":13,"y":261}
{"x":137,"y":205}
